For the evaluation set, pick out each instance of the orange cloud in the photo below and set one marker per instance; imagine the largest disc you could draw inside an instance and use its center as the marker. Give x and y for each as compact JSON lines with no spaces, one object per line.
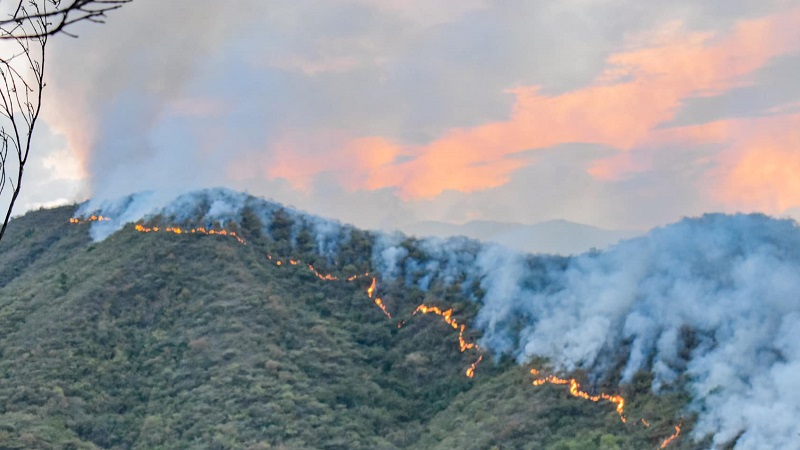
{"x":299,"y":158}
{"x":639,"y":90}
{"x":763,"y":170}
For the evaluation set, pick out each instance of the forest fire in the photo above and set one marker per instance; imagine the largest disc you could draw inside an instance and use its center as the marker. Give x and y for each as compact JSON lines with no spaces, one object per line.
{"x":471,"y":368}
{"x":380,"y":304}
{"x":89,"y":219}
{"x":462,"y":342}
{"x":674,"y":436}
{"x":199,"y":230}
{"x":424,"y":309}
{"x":174,"y":230}
{"x":326,"y":277}
{"x":447,"y":316}
{"x":575,"y":391}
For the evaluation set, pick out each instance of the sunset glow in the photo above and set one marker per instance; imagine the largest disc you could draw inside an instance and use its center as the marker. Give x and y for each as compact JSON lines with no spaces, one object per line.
{"x":624,"y":108}
{"x":425,"y":123}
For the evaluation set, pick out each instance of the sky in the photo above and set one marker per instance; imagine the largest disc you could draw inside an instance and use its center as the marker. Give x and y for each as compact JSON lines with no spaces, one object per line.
{"x":621,"y":114}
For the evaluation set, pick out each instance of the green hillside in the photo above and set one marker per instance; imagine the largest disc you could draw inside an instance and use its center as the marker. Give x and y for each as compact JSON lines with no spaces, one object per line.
{"x":165,"y":341}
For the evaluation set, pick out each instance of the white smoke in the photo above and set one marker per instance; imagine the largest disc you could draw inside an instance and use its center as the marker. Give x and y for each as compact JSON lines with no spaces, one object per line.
{"x":713,"y":300}
{"x":207,"y":207}
{"x":732,"y":281}
{"x":118,"y":212}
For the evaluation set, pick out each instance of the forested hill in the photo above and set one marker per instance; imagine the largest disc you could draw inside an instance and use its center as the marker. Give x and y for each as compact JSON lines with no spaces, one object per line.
{"x":163,"y":340}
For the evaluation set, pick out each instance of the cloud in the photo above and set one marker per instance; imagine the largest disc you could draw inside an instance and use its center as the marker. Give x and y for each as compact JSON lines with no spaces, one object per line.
{"x":425,"y":104}
{"x":762,"y":171}
{"x":622,"y":108}
{"x":770,"y":93}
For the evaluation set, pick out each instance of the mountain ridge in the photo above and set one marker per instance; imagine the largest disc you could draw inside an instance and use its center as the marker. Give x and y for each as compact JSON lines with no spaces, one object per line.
{"x":601,"y":317}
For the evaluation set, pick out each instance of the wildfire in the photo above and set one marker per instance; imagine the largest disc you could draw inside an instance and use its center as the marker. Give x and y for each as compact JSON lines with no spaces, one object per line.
{"x":326,"y":277}
{"x":199,"y":230}
{"x":380,"y":304}
{"x":471,"y":368}
{"x":575,"y":391}
{"x":91,"y":218}
{"x":447,"y":316}
{"x":174,"y":230}
{"x":673,"y":437}
{"x":424,"y":309}
{"x":320,"y":275}
{"x":462,"y":342}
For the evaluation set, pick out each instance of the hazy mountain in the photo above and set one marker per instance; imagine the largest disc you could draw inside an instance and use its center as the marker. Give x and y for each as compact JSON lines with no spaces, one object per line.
{"x":554,"y":236}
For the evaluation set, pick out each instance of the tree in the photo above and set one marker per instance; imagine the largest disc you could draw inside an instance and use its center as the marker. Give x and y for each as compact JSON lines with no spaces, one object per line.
{"x":25,"y":27}
{"x":27,"y":16}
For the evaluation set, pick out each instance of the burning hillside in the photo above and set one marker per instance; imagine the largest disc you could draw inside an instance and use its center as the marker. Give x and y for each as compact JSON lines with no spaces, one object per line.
{"x":708,"y":303}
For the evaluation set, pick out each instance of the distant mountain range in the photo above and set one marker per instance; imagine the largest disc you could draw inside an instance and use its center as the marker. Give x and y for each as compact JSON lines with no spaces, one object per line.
{"x":553,"y":236}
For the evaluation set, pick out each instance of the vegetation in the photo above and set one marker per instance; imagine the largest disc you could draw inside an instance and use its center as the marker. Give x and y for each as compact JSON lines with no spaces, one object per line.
{"x":161,"y":341}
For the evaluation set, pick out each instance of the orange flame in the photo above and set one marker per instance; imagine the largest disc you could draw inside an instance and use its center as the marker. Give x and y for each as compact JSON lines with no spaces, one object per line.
{"x":447,"y":316}
{"x":646,"y":423}
{"x":462,"y":342}
{"x":575,"y":391}
{"x":471,"y":368}
{"x":673,"y":437}
{"x":371,"y":288}
{"x":92,"y":218}
{"x":380,"y":304}
{"x":326,"y":277}
{"x":199,"y":230}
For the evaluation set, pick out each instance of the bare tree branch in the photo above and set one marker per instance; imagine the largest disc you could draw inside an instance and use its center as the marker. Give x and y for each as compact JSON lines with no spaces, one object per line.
{"x":26,"y":20}
{"x":27,"y":27}
{"x":21,"y":84}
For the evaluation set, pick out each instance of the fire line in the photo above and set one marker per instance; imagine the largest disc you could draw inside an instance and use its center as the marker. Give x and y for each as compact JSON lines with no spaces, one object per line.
{"x":575,"y":391}
{"x":672,"y":437}
{"x":446,"y":315}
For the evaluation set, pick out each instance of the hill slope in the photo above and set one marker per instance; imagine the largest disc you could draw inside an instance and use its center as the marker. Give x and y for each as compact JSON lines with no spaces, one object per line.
{"x":178,"y":341}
